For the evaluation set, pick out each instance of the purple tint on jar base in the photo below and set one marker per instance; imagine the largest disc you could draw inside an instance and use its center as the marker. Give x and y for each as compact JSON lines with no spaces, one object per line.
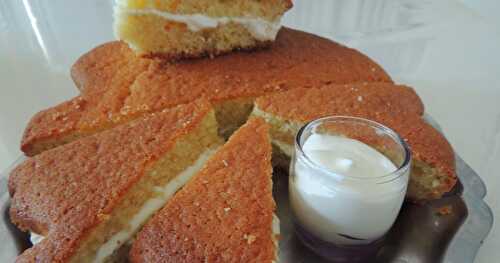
{"x":339,"y":253}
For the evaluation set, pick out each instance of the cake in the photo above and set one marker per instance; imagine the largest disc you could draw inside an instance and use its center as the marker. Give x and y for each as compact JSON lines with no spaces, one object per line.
{"x":224,"y":214}
{"x":88,"y":198}
{"x":193,"y":28}
{"x":396,"y":106}
{"x":116,"y":86}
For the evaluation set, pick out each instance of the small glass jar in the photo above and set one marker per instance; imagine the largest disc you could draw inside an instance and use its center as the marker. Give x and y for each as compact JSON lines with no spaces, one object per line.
{"x":348,"y":180}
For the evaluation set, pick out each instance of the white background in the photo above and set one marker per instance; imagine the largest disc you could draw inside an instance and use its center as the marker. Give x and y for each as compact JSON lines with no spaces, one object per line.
{"x":448,"y":50}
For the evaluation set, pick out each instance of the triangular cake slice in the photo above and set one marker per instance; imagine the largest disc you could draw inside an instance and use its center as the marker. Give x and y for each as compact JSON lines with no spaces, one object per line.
{"x":396,"y":106}
{"x":89,"y":197}
{"x":116,"y":86}
{"x":193,"y":28}
{"x":224,"y":214}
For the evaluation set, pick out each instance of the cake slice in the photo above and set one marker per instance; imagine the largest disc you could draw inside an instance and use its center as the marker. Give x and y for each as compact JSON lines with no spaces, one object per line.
{"x":193,"y":28}
{"x":116,"y":86}
{"x":224,"y":214}
{"x":398,"y":107}
{"x":89,"y":197}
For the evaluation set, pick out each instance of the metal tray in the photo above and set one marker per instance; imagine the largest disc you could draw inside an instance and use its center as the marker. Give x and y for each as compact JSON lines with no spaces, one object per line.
{"x":419,"y":235}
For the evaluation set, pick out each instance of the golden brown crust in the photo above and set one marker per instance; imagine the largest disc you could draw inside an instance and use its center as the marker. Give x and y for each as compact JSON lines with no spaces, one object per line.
{"x":136,"y":85}
{"x":224,"y":214}
{"x":397,"y":107}
{"x":362,"y":99}
{"x":100,"y":65}
{"x":51,"y":124}
{"x":65,"y":192}
{"x":429,"y":146}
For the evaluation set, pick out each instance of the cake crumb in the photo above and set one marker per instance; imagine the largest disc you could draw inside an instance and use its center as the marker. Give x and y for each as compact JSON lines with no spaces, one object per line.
{"x":249,"y":238}
{"x":56,"y":116}
{"x":103,"y":217}
{"x":444,"y":210}
{"x":360,"y":98}
{"x":227,"y":209}
{"x":225,"y":163}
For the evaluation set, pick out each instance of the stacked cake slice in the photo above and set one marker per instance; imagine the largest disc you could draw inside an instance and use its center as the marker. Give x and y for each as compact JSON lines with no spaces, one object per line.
{"x":193,"y":28}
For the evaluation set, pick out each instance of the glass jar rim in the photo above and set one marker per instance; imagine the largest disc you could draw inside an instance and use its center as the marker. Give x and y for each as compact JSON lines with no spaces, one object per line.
{"x":401,"y":169}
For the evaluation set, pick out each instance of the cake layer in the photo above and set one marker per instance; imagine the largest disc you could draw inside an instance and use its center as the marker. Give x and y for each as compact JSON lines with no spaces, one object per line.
{"x":398,"y":107}
{"x":116,"y":86}
{"x":175,"y":29}
{"x":266,"y":9}
{"x":102,"y":188}
{"x":224,"y":214}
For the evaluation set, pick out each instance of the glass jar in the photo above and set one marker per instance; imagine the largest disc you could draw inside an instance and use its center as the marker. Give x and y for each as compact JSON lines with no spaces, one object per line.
{"x":348,"y":180}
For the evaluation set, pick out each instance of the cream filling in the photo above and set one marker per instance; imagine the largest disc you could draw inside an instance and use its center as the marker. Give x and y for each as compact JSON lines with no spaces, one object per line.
{"x":151,"y":206}
{"x":275,"y":120}
{"x":288,"y":127}
{"x":276,"y":233}
{"x":261,"y":29}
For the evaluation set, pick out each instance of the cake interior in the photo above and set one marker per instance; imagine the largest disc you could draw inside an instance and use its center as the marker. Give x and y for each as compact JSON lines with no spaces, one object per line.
{"x":232,"y":114}
{"x":195,"y":28}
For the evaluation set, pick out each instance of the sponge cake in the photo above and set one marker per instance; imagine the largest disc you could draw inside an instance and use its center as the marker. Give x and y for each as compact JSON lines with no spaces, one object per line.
{"x":193,"y":28}
{"x":89,"y":197}
{"x":224,"y":214}
{"x":117,"y":86}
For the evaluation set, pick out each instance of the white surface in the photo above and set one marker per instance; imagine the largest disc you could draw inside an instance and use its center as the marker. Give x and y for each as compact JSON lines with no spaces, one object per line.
{"x":448,"y":52}
{"x":349,"y":197}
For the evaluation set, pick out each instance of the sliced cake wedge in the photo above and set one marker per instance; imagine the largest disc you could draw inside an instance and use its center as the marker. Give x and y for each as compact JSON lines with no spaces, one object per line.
{"x":89,"y":197}
{"x":396,"y":106}
{"x":224,"y":214}
{"x":193,"y":28}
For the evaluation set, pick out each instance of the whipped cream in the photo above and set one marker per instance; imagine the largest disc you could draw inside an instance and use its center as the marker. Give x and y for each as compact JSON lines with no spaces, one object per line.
{"x":346,"y":201}
{"x":151,"y":206}
{"x":259,"y":28}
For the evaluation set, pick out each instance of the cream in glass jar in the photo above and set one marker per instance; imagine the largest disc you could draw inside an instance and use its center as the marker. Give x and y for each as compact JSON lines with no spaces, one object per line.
{"x":348,"y":181}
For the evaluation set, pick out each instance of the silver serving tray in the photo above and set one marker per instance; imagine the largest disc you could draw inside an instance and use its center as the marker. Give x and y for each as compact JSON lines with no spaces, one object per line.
{"x":420,"y":234}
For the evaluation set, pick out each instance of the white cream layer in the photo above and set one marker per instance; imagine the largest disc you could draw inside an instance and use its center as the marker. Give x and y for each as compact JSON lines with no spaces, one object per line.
{"x":259,"y":28}
{"x":151,"y":206}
